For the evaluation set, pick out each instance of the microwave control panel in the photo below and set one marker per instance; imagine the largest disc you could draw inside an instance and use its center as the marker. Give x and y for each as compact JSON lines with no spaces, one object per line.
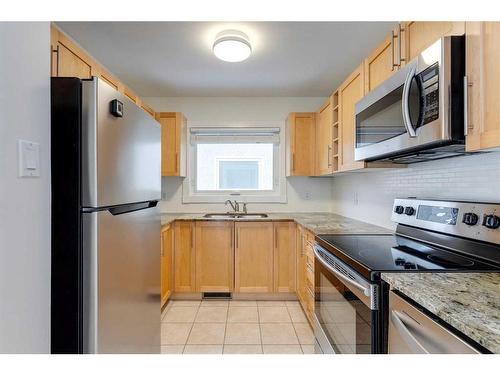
{"x":429,"y":79}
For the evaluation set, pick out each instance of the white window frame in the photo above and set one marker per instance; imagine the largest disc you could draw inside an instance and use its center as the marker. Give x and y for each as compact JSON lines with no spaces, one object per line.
{"x":277,"y":195}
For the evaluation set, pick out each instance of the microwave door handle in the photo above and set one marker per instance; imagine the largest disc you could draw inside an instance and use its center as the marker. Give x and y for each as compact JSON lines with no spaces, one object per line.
{"x":366,"y":291}
{"x":406,"y":108}
{"x":406,"y":335}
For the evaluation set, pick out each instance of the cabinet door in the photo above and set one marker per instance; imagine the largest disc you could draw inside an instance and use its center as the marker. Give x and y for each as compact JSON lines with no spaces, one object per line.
{"x":70,"y":64}
{"x":214,"y":256}
{"x":184,"y":257}
{"x":167,"y":237}
{"x":172,"y":143}
{"x":421,"y":34}
{"x":301,"y":133}
{"x":381,"y":63}
{"x":483,"y":76}
{"x":301,"y":265}
{"x":324,"y":138}
{"x":284,"y":257}
{"x":254,"y":257}
{"x":350,"y":92}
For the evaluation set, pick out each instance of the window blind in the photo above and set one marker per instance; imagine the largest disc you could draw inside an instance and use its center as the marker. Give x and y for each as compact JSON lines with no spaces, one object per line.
{"x":234,"y":135}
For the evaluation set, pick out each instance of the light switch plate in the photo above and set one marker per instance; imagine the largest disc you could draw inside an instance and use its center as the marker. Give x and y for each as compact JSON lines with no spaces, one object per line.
{"x":29,"y":158}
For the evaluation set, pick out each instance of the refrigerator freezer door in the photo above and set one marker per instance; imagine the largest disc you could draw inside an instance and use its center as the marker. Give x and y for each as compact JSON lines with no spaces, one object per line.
{"x":121,"y":156}
{"x":121,"y":282}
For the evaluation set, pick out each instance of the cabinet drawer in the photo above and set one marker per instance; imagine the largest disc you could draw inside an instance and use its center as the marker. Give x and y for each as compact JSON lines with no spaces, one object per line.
{"x":310,"y":276}
{"x":309,"y":236}
{"x":309,"y":252}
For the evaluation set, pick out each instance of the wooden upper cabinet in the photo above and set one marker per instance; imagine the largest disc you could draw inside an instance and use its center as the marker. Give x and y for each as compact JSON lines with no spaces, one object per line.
{"x":167,"y":248}
{"x":382,"y":62}
{"x":67,"y":59}
{"x":350,"y":92}
{"x":324,"y":138}
{"x":483,"y":77}
{"x":253,"y":265}
{"x":184,"y":257}
{"x":70,"y":60}
{"x":111,"y":80}
{"x":418,"y":35}
{"x":300,"y":144}
{"x":214,"y":256}
{"x":173,"y":143}
{"x":284,"y":257}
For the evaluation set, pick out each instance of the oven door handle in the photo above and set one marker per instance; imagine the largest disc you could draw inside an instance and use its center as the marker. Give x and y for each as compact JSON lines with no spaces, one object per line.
{"x":406,"y":97}
{"x":362,"y":288}
{"x":407,"y":336}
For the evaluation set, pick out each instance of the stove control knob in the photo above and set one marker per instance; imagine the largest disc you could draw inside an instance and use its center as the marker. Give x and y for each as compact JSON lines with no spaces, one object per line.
{"x":470,"y":218}
{"x":399,"y":209}
{"x":399,"y":261}
{"x":491,"y":221}
{"x":410,"y":211}
{"x":410,"y":266}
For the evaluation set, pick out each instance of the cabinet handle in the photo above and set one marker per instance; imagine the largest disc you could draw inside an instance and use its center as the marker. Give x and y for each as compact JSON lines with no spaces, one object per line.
{"x":293,"y":162}
{"x":276,"y":237}
{"x":192,"y":236}
{"x":177,"y":162}
{"x":237,"y":239}
{"x":393,"y":64}
{"x":466,"y":105}
{"x":400,"y":37}
{"x":329,"y":155}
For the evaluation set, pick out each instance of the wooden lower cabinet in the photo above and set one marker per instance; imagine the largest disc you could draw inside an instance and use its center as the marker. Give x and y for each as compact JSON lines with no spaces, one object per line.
{"x":214,"y":256}
{"x":167,"y":248}
{"x":284,"y":257}
{"x":305,"y":271}
{"x":184,"y":257}
{"x":253,"y":264}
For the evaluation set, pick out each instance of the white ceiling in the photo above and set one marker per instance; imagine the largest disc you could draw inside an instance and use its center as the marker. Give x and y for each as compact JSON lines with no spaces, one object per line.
{"x":175,"y":58}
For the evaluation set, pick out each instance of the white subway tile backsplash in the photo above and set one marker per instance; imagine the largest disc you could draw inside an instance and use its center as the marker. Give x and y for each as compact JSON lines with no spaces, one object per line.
{"x":472,"y":177}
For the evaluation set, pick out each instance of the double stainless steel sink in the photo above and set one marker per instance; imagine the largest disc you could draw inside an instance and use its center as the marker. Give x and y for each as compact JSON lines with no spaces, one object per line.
{"x":235,"y":215}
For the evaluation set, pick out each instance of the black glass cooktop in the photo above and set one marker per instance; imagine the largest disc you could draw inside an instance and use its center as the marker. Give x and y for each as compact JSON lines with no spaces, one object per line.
{"x":388,"y":253}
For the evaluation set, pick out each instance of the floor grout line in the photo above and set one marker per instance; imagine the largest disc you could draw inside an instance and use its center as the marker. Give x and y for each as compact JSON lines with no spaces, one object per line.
{"x":295,"y":330}
{"x":191,"y":329}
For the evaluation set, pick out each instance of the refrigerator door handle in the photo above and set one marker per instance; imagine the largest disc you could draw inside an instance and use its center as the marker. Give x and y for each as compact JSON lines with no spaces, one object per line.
{"x":123,"y":208}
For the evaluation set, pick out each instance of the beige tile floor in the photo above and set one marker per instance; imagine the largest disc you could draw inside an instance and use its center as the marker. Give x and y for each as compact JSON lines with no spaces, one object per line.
{"x":235,"y":327}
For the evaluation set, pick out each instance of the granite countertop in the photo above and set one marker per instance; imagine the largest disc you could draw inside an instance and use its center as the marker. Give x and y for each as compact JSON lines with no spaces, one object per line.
{"x":316,"y":222}
{"x":469,"y":302}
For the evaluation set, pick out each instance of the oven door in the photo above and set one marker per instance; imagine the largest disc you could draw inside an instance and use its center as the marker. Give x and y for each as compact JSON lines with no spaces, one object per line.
{"x":346,"y":308}
{"x":406,"y":113}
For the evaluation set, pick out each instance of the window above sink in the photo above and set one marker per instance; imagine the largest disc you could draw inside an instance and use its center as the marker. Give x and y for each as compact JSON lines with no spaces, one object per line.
{"x":230,"y":161}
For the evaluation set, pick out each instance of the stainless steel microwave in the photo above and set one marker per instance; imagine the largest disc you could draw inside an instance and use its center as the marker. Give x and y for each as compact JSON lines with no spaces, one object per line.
{"x":418,"y":113}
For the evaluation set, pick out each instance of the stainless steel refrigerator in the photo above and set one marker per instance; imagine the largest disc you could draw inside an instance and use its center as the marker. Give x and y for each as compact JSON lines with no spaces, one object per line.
{"x":106,"y":184}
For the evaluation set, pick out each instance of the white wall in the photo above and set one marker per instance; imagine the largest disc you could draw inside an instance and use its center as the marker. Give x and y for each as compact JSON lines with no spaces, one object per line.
{"x":303,"y":194}
{"x":24,"y":202}
{"x":368,"y":196}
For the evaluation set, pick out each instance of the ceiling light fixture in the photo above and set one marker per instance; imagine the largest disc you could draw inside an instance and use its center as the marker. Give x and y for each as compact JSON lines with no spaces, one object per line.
{"x":232,"y":46}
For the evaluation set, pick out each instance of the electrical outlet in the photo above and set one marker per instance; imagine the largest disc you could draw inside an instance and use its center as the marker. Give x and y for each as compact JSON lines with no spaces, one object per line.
{"x":307,"y":196}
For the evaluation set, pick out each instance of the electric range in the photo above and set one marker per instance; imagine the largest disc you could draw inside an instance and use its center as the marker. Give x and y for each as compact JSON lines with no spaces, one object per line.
{"x":351,"y":300}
